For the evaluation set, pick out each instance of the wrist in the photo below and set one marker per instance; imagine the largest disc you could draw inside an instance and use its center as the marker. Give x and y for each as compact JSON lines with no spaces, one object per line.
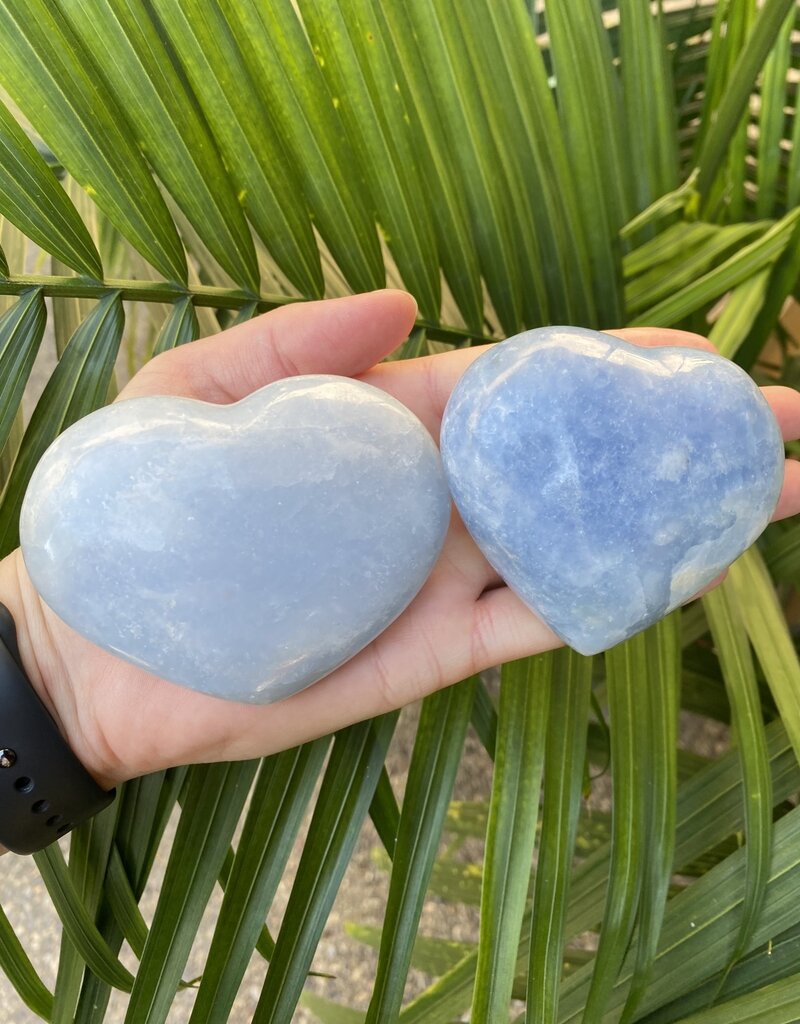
{"x":44,"y":667}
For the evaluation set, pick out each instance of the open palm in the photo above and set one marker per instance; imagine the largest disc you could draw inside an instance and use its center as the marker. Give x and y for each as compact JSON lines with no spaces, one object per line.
{"x":124,"y":722}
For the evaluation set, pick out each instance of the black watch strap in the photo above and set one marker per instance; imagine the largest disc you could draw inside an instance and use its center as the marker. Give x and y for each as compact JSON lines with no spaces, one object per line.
{"x":44,"y":789}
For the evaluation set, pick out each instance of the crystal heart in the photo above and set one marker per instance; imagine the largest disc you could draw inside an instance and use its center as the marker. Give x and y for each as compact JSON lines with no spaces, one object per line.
{"x":608,"y":483}
{"x":244,"y":550}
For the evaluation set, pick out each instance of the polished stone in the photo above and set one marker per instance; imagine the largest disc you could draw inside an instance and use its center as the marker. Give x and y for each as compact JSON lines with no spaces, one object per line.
{"x":605,"y":482}
{"x":244,"y":550}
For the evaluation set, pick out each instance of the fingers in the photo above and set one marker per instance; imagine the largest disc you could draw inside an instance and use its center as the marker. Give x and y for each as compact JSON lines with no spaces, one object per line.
{"x":424,"y":384}
{"x":789,"y":501}
{"x":462,"y":566}
{"x":341,"y":336}
{"x":504,"y":629}
{"x":785,"y":405}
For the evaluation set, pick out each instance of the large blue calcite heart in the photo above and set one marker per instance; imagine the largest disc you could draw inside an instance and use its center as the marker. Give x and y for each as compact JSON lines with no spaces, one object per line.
{"x":244,"y":550}
{"x":605,"y":482}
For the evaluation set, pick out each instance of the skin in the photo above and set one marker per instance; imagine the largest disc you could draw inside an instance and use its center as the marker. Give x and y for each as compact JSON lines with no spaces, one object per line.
{"x":123,"y":722}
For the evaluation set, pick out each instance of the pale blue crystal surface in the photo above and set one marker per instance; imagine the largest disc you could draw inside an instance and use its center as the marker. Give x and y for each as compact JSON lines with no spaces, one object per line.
{"x":244,"y":550}
{"x":605,"y":482}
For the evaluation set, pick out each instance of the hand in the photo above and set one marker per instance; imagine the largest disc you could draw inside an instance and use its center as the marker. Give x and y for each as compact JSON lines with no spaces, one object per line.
{"x":123,"y":722}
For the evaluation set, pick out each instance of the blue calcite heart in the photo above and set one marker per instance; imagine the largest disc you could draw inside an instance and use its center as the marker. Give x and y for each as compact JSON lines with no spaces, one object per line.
{"x":605,"y":482}
{"x":244,"y":550}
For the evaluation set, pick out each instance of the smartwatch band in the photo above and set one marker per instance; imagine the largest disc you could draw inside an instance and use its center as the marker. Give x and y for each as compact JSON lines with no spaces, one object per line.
{"x":44,"y":789}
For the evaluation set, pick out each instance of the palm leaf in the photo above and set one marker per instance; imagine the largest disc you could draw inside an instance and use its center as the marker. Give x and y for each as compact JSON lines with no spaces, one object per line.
{"x":769,"y":635}
{"x":709,"y":809}
{"x":736,"y":93}
{"x":679,"y":256}
{"x":438,"y":745}
{"x":216,"y":795}
{"x":347,"y":788}
{"x":771,"y":117}
{"x":777,"y":1004}
{"x":467,"y":133}
{"x":303,"y":112}
{"x":77,"y":921}
{"x":626,"y":668}
{"x":740,"y":677}
{"x":180,"y":326}
{"x":260,"y":171}
{"x":501,"y":38}
{"x":773,"y":960}
{"x":737,"y":268}
{"x":21,"y":330}
{"x":90,"y":849}
{"x":701,"y":926}
{"x":137,"y":70}
{"x":47,"y":72}
{"x":78,"y":386}
{"x":346,"y":45}
{"x":780,"y":285}
{"x":566,"y":750}
{"x":280,"y":796}
{"x":52,"y":221}
{"x":124,"y":906}
{"x":514,"y":811}
{"x":660,"y":785}
{"x":734,"y":326}
{"x":647,"y":90}
{"x":19,"y":970}
{"x":590,"y":110}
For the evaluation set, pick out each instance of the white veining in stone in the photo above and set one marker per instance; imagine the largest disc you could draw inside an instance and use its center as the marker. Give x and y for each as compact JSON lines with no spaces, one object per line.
{"x":244,"y":550}
{"x":605,"y":482}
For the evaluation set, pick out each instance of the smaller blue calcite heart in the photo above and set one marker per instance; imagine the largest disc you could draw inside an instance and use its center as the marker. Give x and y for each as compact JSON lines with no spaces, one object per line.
{"x":608,"y":483}
{"x":242,"y":550}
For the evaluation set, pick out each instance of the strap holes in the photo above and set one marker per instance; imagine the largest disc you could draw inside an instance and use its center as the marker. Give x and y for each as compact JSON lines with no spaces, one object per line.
{"x":23,"y":784}
{"x":41,"y":807}
{"x":55,"y":820}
